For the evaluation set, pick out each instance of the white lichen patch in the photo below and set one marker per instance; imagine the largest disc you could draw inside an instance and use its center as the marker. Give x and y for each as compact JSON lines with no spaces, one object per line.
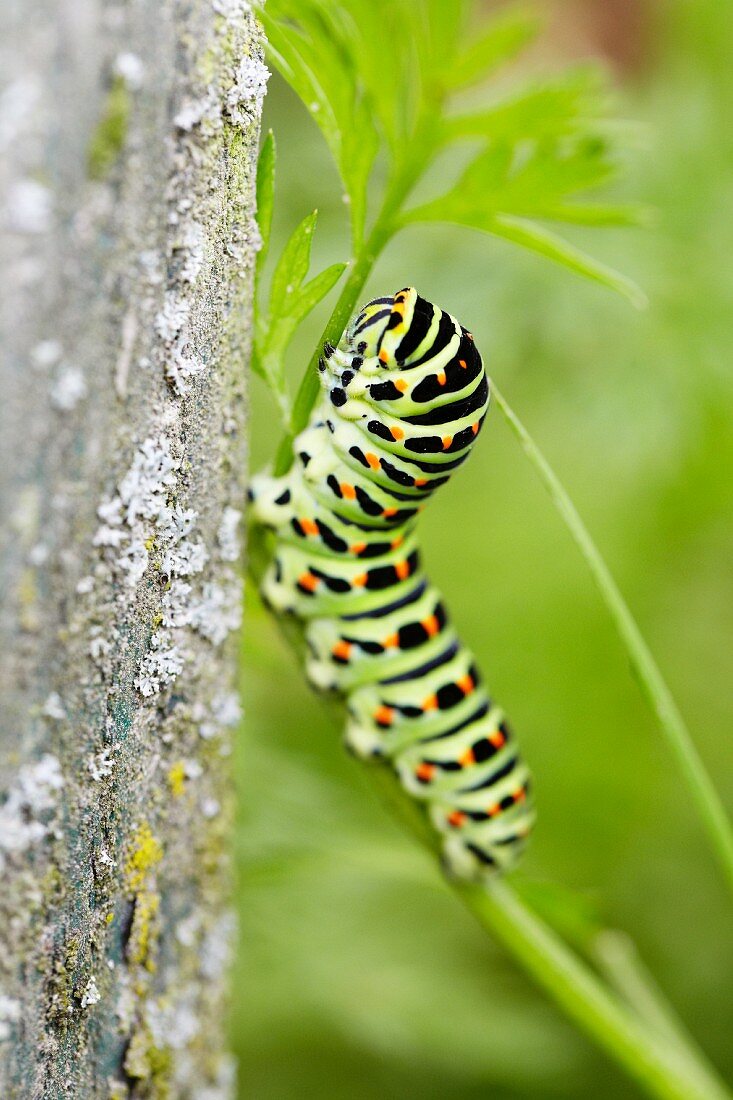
{"x":230,"y":9}
{"x":219,"y":610}
{"x":216,"y":949}
{"x":91,"y":995}
{"x":131,"y":68}
{"x":9,"y":1014}
{"x":248,"y":89}
{"x":172,"y":317}
{"x":190,"y":246}
{"x":69,"y":389}
{"x":101,"y":764}
{"x":28,"y":207}
{"x":28,"y":813}
{"x":185,"y":559}
{"x":46,"y":353}
{"x":180,"y":368}
{"x":228,"y":535}
{"x":194,"y":112}
{"x":175,"y":1023}
{"x":54,"y":707}
{"x":159,"y":667}
{"x":176,"y":608}
{"x":224,"y":712}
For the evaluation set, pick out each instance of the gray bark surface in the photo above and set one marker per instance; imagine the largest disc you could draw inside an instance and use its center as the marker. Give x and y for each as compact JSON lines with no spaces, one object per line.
{"x":128,"y":137}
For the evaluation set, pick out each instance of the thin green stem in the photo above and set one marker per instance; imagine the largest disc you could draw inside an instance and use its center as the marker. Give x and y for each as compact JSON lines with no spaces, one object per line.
{"x":670,"y":1072}
{"x":670,"y":1069}
{"x":653,"y":685}
{"x":617,"y":958}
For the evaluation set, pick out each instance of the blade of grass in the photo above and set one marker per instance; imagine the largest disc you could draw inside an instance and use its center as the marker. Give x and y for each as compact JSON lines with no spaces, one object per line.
{"x":653,"y":684}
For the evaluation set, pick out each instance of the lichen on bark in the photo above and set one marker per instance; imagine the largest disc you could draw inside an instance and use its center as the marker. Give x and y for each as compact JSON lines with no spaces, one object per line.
{"x":129,"y":145}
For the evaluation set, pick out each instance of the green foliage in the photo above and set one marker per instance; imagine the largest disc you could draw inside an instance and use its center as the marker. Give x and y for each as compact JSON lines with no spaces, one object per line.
{"x":290,"y":299}
{"x":384,"y":79}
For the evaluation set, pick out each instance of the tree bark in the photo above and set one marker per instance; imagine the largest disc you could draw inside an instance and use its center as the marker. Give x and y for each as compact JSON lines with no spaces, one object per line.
{"x":128,"y":137}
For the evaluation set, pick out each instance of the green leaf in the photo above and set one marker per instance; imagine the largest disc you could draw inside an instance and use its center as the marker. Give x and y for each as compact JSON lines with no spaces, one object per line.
{"x":598,"y":214}
{"x":265,"y":190}
{"x":545,"y":243}
{"x":549,"y":109}
{"x":317,"y":50}
{"x":292,"y":267}
{"x":506,"y":36}
{"x":300,"y":305}
{"x":317,"y":289}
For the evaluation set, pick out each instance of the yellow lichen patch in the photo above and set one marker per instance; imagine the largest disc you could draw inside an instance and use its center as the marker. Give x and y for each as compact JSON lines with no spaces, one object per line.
{"x":143,"y":931}
{"x":145,"y":853}
{"x":144,"y":1061}
{"x":177,"y":779}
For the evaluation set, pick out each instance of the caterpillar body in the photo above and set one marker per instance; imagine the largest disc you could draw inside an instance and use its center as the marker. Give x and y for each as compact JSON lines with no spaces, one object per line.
{"x":404,"y":397}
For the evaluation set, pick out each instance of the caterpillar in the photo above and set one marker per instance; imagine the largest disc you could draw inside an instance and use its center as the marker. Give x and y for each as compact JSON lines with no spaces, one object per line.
{"x":403,"y":399}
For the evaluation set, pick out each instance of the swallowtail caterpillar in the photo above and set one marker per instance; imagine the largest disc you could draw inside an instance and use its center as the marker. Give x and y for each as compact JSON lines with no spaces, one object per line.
{"x":403,"y":399}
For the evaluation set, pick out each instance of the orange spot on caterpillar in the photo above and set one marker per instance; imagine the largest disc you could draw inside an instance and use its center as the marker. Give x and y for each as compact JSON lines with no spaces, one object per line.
{"x":431,"y":625}
{"x":520,"y":795}
{"x":358,"y":547}
{"x":425,"y":772}
{"x":446,"y":441}
{"x":397,"y":542}
{"x":360,"y":581}
{"x":466,"y":684}
{"x":383,"y":356}
{"x":401,"y":385}
{"x":402,"y":569}
{"x":431,"y":703}
{"x":441,"y":377}
{"x":462,"y":363}
{"x":497,"y":739}
{"x":397,"y":433}
{"x":474,"y":427}
{"x":372,"y":459}
{"x":383,"y":716}
{"x":456,"y":819}
{"x":392,"y":641}
{"x":420,"y":481}
{"x":347,"y":491}
{"x":342,"y":650}
{"x":467,"y":758}
{"x":309,"y":527}
{"x":494,"y":810}
{"x":388,"y":512}
{"x":307,"y":580}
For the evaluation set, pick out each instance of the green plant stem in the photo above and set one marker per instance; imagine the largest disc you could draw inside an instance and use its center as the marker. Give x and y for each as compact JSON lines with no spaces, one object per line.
{"x":617,"y":958}
{"x":665,"y":1067}
{"x":664,"y":1070}
{"x":647,"y":671}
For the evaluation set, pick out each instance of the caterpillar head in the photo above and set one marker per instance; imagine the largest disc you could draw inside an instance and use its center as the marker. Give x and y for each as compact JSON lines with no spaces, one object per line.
{"x":378,"y":329}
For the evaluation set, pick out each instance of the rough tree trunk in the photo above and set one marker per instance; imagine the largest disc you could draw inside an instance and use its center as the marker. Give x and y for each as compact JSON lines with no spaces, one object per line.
{"x":127,"y":146}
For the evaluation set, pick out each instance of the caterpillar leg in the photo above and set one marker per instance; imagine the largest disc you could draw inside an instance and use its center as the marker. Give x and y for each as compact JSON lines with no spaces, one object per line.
{"x":277,"y":594}
{"x":271,"y":500}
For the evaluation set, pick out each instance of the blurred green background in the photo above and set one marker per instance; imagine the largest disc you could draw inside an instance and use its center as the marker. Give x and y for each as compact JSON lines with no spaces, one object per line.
{"x":359,"y":975}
